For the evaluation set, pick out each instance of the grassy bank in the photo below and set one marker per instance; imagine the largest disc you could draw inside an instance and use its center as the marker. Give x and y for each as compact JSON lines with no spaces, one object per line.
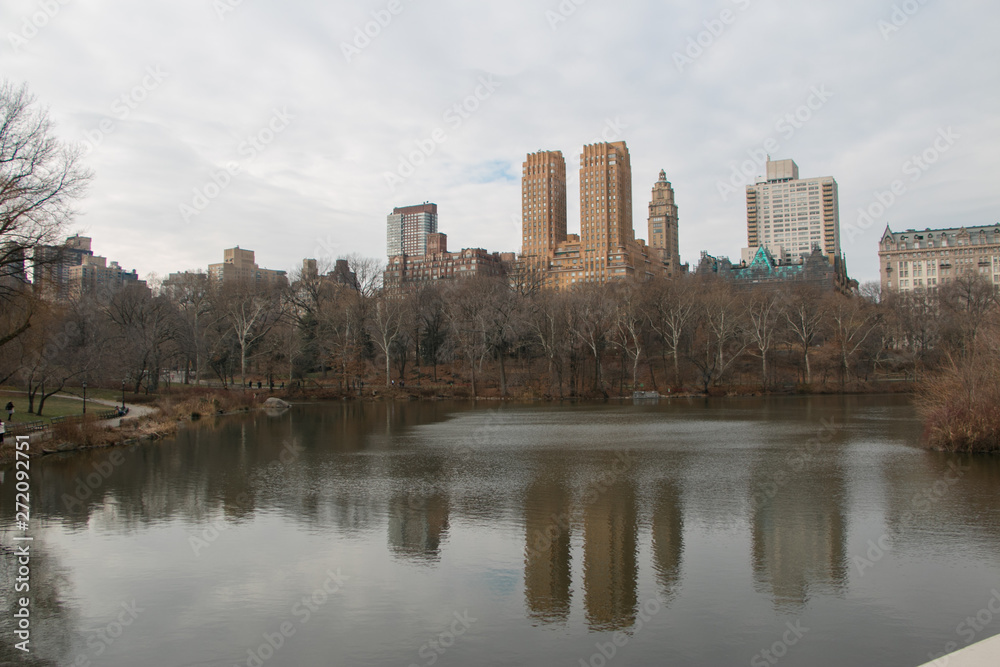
{"x":55,"y":406}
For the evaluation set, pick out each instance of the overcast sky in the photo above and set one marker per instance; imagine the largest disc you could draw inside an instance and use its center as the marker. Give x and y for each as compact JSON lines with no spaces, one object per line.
{"x":311,"y":126}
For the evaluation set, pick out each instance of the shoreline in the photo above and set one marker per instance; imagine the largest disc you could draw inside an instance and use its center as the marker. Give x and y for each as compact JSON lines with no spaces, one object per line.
{"x":163,"y":419}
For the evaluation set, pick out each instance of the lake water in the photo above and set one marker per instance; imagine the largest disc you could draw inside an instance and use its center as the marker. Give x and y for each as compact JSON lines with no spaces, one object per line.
{"x":761,"y":531}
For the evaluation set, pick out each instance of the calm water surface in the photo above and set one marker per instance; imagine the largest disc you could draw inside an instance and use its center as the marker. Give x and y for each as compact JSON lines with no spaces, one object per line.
{"x":699,"y":532}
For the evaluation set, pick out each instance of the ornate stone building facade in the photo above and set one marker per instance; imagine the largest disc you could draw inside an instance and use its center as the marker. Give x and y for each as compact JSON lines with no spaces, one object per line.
{"x":914,"y":260}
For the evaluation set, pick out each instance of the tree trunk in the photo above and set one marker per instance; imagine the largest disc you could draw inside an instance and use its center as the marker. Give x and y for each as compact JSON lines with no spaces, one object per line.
{"x":472,"y":368}
{"x":41,"y":401}
{"x":652,"y":374}
{"x":243,"y":366}
{"x":503,"y":376}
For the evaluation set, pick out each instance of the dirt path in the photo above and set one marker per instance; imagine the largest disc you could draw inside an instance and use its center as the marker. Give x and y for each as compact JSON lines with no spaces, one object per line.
{"x":134,"y":411}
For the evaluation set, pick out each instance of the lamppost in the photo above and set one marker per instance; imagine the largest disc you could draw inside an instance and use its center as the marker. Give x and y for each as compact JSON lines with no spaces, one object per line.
{"x":84,"y":397}
{"x":123,"y":395}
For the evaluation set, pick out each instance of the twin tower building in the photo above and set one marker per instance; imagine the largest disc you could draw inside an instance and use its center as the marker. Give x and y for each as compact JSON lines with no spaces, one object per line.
{"x":606,"y":247}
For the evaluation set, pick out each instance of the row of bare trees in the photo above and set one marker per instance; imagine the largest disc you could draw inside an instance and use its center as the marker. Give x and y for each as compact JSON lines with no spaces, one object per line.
{"x":493,"y":336}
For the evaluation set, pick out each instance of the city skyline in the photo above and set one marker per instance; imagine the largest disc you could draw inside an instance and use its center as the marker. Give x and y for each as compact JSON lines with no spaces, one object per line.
{"x":262,"y":150}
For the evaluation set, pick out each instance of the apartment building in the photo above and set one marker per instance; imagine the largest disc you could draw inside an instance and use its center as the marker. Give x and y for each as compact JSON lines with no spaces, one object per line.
{"x":72,"y":269}
{"x":439,"y":264}
{"x":790,"y":215}
{"x":914,"y":260}
{"x":239,"y":265}
{"x":407,"y":228}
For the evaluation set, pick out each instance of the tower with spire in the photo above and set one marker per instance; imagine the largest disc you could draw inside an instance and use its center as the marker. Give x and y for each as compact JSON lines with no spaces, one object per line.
{"x":663,"y":235}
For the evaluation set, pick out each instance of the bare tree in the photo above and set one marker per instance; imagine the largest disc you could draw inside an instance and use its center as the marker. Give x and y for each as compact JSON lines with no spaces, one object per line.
{"x":251,"y":311}
{"x":671,"y":309}
{"x":432,"y":324}
{"x":53,"y":355}
{"x":593,"y":319}
{"x":525,"y":278}
{"x":368,"y":274}
{"x":804,"y":312}
{"x":722,"y":329}
{"x":466,"y":311}
{"x":966,"y":302}
{"x":40,"y":179}
{"x":387,"y":326}
{"x":630,"y":325}
{"x":194,"y":296}
{"x":762,"y":320}
{"x":548,"y":322}
{"x":143,"y":326}
{"x":502,"y":323}
{"x":853,"y":320}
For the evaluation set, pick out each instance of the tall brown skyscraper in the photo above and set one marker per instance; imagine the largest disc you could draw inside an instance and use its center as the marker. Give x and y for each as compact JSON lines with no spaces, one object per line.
{"x":606,"y":247}
{"x":663,"y":220}
{"x":605,"y":206}
{"x":543,"y":205}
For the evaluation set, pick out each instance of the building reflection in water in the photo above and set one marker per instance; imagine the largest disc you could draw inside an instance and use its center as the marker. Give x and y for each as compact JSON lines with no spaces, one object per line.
{"x":668,"y":538}
{"x":418,"y":523}
{"x":799,"y":529}
{"x":609,"y":556}
{"x":547,"y":575}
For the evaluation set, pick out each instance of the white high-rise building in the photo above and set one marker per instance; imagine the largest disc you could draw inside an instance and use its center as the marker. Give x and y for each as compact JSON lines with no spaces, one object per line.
{"x":407,"y":229}
{"x":789,"y":215}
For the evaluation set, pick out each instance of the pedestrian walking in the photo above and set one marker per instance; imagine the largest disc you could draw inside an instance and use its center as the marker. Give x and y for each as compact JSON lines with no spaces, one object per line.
{"x":10,"y":410}
{"x":3,"y":429}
